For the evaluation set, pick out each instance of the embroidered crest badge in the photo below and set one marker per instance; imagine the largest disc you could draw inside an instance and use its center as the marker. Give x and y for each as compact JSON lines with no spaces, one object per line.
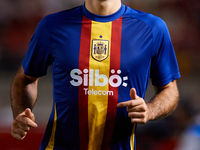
{"x":100,"y":49}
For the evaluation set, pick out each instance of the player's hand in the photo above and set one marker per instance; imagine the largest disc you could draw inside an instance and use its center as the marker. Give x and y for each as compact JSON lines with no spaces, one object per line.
{"x":136,"y":107}
{"x":22,"y":124}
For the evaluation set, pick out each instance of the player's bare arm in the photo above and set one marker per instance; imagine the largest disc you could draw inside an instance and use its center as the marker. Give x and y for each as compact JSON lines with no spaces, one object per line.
{"x":23,"y":98}
{"x":164,"y":102}
{"x":161,"y":105}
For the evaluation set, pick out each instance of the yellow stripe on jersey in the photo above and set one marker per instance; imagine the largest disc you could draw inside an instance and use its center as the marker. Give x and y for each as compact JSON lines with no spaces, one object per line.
{"x":98,"y":84}
{"x":50,"y":145}
{"x":132,"y":138}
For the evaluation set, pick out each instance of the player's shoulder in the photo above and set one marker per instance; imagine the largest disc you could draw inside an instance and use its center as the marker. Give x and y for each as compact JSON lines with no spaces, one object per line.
{"x":150,"y":20}
{"x":73,"y":14}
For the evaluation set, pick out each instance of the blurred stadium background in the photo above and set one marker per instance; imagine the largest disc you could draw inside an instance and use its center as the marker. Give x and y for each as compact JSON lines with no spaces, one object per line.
{"x":18,"y":20}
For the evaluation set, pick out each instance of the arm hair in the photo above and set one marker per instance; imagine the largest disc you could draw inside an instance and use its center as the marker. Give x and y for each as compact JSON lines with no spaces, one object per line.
{"x":23,"y":93}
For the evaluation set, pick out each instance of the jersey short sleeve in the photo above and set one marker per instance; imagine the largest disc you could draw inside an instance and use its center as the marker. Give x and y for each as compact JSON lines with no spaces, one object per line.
{"x":164,"y":68}
{"x":38,"y":56}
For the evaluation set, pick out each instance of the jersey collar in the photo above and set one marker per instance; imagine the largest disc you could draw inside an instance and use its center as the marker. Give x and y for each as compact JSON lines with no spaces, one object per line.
{"x":101,"y":18}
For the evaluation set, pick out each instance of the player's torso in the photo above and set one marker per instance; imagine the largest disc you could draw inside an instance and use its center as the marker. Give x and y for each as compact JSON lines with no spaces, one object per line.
{"x":95,"y":65}
{"x":102,"y":54}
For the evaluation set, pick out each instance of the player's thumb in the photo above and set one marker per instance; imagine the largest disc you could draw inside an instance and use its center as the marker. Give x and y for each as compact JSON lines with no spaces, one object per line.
{"x":133,"y":93}
{"x":29,"y":114}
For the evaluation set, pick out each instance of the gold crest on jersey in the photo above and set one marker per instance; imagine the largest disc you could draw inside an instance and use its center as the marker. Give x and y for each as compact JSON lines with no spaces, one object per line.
{"x":100,"y":49}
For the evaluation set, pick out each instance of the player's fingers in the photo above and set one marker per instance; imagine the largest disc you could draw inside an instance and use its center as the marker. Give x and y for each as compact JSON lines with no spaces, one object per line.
{"x":136,"y":115}
{"x":139,"y":120}
{"x":131,"y":103}
{"x":133,"y":94}
{"x":17,"y":136}
{"x":21,"y":125}
{"x":135,"y":100}
{"x":30,"y":123}
{"x":123,"y":104}
{"x":29,"y":114}
{"x":18,"y":133}
{"x":138,"y":108}
{"x":24,"y":122}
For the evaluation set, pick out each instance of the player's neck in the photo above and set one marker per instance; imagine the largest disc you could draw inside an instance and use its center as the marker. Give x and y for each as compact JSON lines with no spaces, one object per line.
{"x":103,"y":7}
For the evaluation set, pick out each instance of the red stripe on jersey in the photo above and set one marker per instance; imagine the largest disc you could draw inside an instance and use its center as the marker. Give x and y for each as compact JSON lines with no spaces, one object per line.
{"x":113,"y":99}
{"x":83,"y":99}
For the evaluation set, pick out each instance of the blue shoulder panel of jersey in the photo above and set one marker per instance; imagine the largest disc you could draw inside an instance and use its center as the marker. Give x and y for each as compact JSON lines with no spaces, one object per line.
{"x":164,"y":66}
{"x":39,"y":55}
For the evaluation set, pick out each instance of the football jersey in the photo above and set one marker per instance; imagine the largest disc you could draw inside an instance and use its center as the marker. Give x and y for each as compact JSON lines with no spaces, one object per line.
{"x":95,"y":61}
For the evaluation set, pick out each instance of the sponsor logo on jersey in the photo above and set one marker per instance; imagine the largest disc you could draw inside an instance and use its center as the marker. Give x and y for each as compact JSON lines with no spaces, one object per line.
{"x":100,"y":49}
{"x":93,"y":78}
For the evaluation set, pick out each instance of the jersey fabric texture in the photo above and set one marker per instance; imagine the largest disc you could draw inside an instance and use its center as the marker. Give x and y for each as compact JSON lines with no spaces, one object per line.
{"x":95,"y":61}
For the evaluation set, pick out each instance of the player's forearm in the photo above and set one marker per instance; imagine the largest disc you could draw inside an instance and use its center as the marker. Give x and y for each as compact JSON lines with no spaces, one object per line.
{"x":23,"y":93}
{"x":164,"y":102}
